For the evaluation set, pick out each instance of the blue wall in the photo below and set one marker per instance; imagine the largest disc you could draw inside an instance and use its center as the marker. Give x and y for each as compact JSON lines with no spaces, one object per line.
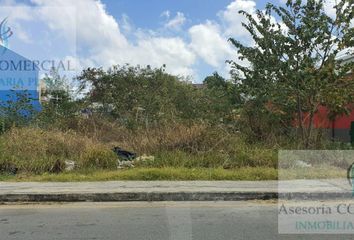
{"x":18,"y":75}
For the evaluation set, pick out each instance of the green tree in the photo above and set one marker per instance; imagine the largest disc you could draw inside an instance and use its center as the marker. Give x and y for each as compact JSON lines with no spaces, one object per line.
{"x":294,"y":66}
{"x":17,"y":111}
{"x":58,"y":103}
{"x":137,"y":95}
{"x":216,"y":81}
{"x":221,"y":98}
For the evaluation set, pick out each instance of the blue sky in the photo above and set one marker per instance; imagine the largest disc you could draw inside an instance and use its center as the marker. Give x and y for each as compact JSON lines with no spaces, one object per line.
{"x":147,"y":14}
{"x":189,"y":36}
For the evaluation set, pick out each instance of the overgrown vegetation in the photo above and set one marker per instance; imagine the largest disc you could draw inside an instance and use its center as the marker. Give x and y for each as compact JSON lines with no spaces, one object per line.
{"x":37,"y":151}
{"x":227,"y":129}
{"x":294,"y":66}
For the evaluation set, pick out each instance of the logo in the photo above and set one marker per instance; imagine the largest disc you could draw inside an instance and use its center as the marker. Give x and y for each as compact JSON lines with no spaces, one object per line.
{"x":5,"y":34}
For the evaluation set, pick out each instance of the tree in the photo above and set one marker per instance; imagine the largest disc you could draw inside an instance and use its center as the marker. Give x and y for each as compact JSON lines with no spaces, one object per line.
{"x":137,"y":95}
{"x":215,"y":81}
{"x":293,"y":63}
{"x":58,"y":102}
{"x":18,"y":110}
{"x":221,"y":98}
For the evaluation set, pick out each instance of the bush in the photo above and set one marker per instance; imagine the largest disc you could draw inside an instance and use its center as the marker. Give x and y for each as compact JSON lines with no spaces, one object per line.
{"x":37,"y":151}
{"x":98,"y":157}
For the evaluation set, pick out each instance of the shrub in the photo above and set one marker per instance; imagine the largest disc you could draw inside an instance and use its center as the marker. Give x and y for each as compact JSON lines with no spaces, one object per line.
{"x":98,"y":157}
{"x":37,"y":151}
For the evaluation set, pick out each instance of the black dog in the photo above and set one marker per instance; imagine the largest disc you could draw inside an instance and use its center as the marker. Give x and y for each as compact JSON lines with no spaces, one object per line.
{"x":123,"y":154}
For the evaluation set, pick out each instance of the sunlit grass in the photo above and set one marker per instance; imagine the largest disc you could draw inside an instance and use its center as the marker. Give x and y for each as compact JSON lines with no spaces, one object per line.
{"x":181,"y":174}
{"x":152,"y":174}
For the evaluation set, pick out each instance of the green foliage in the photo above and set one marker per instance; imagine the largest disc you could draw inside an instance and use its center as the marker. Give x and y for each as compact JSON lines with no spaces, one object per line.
{"x":221,"y":99}
{"x":240,"y":157}
{"x":53,"y":81}
{"x":293,"y":67}
{"x":216,"y":82}
{"x":141,"y":96}
{"x":137,"y":96}
{"x":16,"y":111}
{"x":58,"y":104}
{"x":192,"y":132}
{"x":153,"y":174}
{"x":98,"y":158}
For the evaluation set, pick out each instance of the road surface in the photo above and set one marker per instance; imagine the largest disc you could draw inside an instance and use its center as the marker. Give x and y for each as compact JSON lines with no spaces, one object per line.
{"x":135,"y":221}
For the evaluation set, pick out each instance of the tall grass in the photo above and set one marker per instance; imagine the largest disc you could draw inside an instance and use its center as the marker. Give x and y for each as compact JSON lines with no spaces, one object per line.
{"x":88,"y":142}
{"x":37,"y":151}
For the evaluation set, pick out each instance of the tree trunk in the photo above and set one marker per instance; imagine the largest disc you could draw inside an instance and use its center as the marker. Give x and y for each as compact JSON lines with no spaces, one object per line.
{"x":309,"y":130}
{"x":299,"y":119}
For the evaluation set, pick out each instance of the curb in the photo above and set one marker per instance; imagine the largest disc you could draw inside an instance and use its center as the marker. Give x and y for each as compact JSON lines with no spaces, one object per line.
{"x":141,"y":196}
{"x":171,"y":196}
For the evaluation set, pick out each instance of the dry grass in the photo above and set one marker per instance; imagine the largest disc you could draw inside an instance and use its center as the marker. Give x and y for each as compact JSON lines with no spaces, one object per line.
{"x":37,"y":151}
{"x":180,"y":145}
{"x":195,"y":146}
{"x":141,"y":140}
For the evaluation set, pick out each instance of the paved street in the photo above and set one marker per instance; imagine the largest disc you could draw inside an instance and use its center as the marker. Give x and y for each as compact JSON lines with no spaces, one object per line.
{"x":134,"y":221}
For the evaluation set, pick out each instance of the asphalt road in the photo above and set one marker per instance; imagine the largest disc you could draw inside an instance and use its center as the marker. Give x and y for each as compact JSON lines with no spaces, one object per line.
{"x":135,"y":221}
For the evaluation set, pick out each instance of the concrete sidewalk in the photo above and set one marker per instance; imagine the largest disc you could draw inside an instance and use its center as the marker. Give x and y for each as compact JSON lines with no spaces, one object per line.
{"x":173,"y":191}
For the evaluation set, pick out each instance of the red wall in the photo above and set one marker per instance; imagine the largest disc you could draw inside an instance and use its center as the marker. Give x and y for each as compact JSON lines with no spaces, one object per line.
{"x":342,"y":122}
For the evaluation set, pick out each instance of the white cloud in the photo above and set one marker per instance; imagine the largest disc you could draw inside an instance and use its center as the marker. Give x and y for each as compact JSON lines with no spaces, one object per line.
{"x":20,"y":12}
{"x":207,"y":41}
{"x":174,"y":51}
{"x":154,"y":51}
{"x":233,"y":20}
{"x":102,"y":40}
{"x":15,"y":15}
{"x":94,"y":27}
{"x":329,"y":8}
{"x":166,"y":14}
{"x":331,"y":11}
{"x":126,"y":25}
{"x":177,"y":22}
